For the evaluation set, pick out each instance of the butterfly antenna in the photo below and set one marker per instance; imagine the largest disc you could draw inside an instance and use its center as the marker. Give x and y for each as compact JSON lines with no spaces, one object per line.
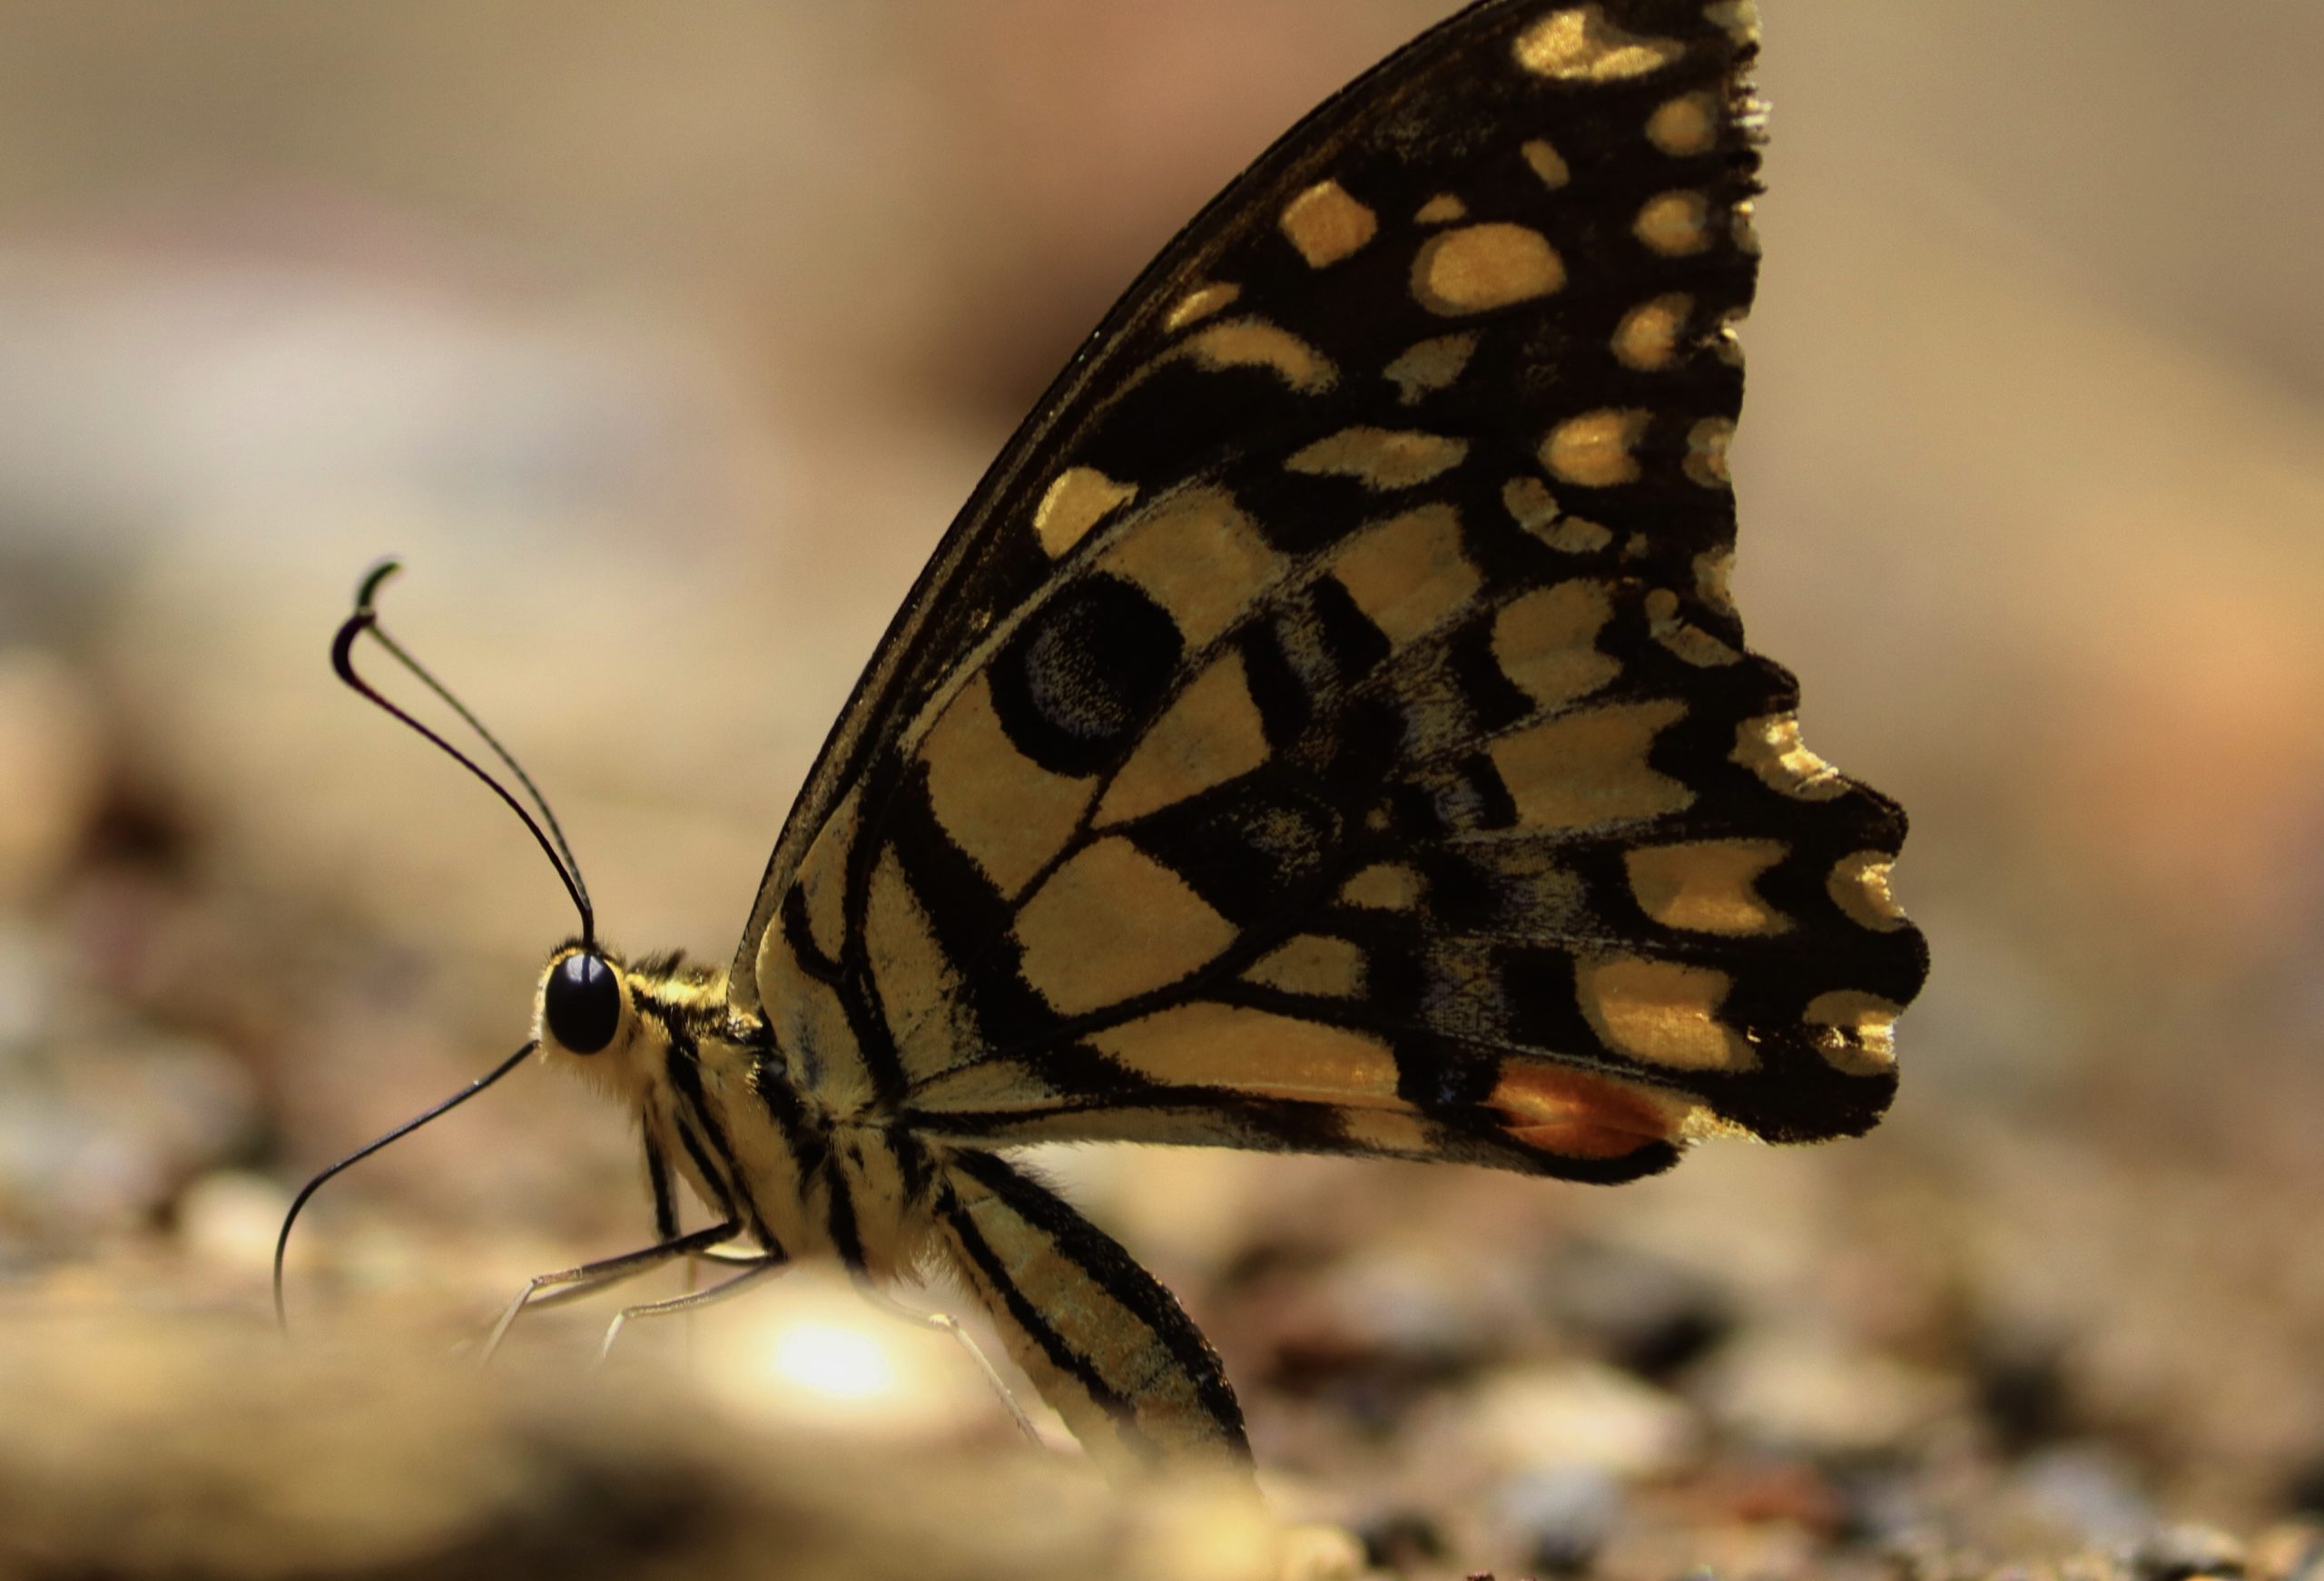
{"x":282,"y":1240}
{"x":366,"y":619}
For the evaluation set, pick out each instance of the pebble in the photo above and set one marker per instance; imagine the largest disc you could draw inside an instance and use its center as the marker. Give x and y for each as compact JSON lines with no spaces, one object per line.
{"x":2088,"y":1490}
{"x":1556,"y":1517}
{"x":1583,"y":1416}
{"x":2183,"y":1553}
{"x":229,"y":1218}
{"x":1816,"y":1394}
{"x":2291,"y":1552}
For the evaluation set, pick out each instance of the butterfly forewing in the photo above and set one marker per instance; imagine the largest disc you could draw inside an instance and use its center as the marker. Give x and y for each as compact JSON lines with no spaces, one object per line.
{"x":1326,"y":727}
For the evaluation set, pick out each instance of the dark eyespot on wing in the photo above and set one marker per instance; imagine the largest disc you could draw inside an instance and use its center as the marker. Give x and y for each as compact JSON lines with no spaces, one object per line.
{"x":1074,"y":683}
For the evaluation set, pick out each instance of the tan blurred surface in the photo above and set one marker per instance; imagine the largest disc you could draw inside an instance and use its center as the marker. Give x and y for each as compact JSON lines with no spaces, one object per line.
{"x":663,"y":342}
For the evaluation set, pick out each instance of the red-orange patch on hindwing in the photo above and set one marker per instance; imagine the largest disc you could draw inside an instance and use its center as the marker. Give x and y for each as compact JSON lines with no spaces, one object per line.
{"x":1576,"y":1114}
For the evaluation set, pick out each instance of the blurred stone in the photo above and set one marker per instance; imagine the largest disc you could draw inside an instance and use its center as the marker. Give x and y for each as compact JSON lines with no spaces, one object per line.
{"x":2088,"y":1489}
{"x":2183,"y":1553}
{"x":1818,"y":1395}
{"x":2291,"y":1552}
{"x":1581,"y":1417}
{"x":230,"y":1217}
{"x":1556,"y":1517}
{"x":51,"y":765}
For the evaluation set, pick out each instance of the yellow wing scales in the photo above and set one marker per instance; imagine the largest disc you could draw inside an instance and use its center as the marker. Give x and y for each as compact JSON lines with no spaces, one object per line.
{"x":1355,"y":750}
{"x":1326,"y":727}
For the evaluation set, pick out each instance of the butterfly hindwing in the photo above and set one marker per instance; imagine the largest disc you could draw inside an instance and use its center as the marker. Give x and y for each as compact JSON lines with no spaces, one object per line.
{"x":1106,"y":1344}
{"x":1326,"y":727}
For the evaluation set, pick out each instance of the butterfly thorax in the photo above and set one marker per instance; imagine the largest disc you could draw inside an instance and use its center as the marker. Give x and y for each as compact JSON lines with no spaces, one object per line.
{"x":722,"y":1109}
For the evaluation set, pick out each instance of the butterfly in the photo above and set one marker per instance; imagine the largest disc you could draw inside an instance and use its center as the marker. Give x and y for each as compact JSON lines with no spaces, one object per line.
{"x":1327,"y":729}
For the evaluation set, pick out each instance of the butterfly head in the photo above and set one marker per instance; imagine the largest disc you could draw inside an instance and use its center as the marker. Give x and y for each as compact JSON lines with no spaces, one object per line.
{"x":584,"y":1006}
{"x":614,"y":1022}
{"x":586,"y":1018}
{"x":594,"y":1016}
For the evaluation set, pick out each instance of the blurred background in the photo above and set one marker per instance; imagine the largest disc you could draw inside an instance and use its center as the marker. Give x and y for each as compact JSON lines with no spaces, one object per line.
{"x":663,"y":343}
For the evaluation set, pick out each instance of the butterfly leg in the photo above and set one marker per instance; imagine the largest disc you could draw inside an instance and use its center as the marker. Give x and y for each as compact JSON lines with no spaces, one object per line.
{"x":946,"y":1323}
{"x":572,"y":1284}
{"x":694,"y":1301}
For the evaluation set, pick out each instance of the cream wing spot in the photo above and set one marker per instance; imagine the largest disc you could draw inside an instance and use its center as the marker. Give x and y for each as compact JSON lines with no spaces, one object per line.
{"x":1661,"y":1012}
{"x":1534,"y":508}
{"x":1391,"y":1132}
{"x":1079,"y":498}
{"x":1441,"y":210}
{"x":1430,"y":366}
{"x":1211,"y":734}
{"x":1581,"y":771}
{"x":1256,"y":343}
{"x":1543,"y":641}
{"x":1684,"y":126}
{"x":1479,"y":268}
{"x":1858,"y":885}
{"x":1326,"y":225}
{"x":1577,"y":44}
{"x":1380,"y":458}
{"x":1681,"y":636}
{"x":1707,"y":886}
{"x":1007,"y":813}
{"x":1714,"y":579}
{"x":1858,"y":1031}
{"x":1707,"y":444}
{"x":1675,"y":224}
{"x":1596,"y":449}
{"x":1770,"y":748}
{"x":1547,"y":164}
{"x":1385,"y":887}
{"x":1313,"y":963}
{"x":1531,"y":504}
{"x":1197,"y":555}
{"x":1739,"y":19}
{"x":1112,"y":923}
{"x":1647,"y":340}
{"x":1408,"y":573}
{"x":1207,"y":1045}
{"x":1199,"y":304}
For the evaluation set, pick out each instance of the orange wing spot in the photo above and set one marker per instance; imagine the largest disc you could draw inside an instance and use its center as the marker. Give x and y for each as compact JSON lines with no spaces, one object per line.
{"x":1579,"y":1115}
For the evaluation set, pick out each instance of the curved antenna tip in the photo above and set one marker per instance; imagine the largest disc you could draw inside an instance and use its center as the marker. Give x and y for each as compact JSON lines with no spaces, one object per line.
{"x":282,"y":1238}
{"x":367,"y":590}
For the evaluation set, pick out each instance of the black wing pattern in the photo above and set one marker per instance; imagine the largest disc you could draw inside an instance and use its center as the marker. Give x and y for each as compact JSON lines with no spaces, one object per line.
{"x":1326,"y":726}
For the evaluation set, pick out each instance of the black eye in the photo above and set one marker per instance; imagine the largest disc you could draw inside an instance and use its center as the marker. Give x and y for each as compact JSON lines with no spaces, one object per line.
{"x":583,"y":1003}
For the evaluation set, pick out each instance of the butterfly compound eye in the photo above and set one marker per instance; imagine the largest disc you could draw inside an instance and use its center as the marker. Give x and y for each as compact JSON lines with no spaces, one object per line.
{"x":583,"y":1003}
